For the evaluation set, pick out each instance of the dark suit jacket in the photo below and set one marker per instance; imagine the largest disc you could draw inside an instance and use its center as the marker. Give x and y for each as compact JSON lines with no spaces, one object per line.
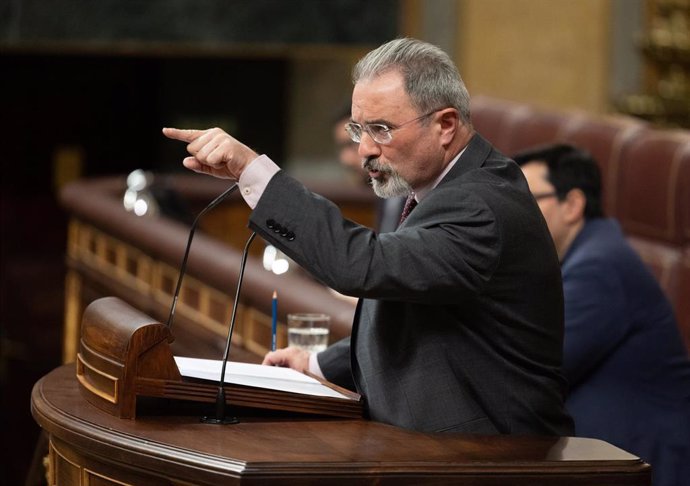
{"x":388,"y":213}
{"x":624,"y":358}
{"x":460,"y":325}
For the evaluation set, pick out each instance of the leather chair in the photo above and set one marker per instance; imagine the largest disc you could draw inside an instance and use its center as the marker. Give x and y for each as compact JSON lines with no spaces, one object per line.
{"x":653,"y":206}
{"x":512,"y":126}
{"x":604,"y":138}
{"x":495,"y":119}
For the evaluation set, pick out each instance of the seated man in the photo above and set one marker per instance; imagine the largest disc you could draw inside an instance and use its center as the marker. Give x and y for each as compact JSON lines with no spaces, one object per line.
{"x":628,"y":369}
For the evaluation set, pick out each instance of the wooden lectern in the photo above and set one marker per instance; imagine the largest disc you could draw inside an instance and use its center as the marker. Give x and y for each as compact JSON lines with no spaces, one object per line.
{"x":121,"y":348}
{"x":124,"y":354}
{"x":89,"y":446}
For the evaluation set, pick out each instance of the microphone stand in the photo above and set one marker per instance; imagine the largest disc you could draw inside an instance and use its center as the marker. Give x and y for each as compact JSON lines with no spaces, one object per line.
{"x":183,"y":267}
{"x":220,"y":417}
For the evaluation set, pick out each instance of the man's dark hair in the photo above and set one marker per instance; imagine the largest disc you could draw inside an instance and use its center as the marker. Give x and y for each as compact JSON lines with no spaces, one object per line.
{"x":569,"y":168}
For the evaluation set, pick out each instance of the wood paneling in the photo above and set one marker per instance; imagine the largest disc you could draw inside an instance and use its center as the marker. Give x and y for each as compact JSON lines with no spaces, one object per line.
{"x":547,"y":52}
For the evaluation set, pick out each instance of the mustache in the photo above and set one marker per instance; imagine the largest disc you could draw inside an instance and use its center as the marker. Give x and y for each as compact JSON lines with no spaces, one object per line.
{"x":373,"y":164}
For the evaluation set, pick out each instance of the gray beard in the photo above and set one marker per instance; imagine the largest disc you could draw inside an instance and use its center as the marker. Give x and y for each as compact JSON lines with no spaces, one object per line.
{"x":386,"y":187}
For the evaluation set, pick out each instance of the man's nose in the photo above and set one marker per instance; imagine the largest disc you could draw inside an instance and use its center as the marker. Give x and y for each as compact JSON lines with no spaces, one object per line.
{"x":367,"y":146}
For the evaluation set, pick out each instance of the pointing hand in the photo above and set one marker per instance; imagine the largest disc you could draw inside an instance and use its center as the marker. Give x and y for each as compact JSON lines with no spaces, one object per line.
{"x":213,"y":152}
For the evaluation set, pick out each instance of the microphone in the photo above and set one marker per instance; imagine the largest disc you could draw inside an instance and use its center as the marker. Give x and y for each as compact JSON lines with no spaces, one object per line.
{"x":183,"y":267}
{"x":220,"y":417}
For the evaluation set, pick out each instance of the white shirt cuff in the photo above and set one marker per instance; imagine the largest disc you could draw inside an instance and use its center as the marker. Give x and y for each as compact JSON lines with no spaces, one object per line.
{"x":255,"y":178}
{"x":314,"y":367}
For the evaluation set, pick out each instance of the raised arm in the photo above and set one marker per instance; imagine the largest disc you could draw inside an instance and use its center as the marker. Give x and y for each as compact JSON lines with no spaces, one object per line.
{"x":213,"y":152}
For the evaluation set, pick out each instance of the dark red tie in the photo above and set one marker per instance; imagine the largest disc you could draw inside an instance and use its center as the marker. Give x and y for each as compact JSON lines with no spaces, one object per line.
{"x":410,"y":204}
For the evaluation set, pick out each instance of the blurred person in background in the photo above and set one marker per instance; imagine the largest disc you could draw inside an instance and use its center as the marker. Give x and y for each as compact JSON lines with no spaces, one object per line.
{"x":346,"y":149}
{"x":627,"y":367}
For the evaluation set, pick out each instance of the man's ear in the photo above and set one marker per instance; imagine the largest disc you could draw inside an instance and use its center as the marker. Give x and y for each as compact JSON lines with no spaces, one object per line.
{"x":449,"y":121}
{"x":574,"y":206}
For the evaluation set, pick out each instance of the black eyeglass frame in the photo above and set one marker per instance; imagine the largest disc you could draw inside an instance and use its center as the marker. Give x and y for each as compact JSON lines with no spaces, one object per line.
{"x":544,"y":195}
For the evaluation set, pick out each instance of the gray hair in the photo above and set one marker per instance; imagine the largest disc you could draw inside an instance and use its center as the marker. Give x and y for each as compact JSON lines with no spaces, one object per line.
{"x":431,"y":78}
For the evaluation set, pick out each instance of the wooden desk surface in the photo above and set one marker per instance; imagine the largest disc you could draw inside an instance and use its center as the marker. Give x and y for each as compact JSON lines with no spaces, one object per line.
{"x":178,"y":449}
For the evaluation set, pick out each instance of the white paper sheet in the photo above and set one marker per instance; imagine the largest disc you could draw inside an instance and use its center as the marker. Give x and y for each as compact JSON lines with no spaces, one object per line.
{"x":268,"y":377}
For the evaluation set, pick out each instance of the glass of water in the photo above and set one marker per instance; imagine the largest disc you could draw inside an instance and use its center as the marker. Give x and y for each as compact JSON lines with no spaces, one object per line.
{"x":308,"y":331}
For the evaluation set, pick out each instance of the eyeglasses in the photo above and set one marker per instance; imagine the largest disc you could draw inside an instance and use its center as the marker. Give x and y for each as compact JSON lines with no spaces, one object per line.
{"x":544,"y":195}
{"x":379,"y":132}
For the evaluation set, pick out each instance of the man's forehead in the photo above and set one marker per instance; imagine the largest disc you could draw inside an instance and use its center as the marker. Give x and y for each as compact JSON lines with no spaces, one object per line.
{"x":543,"y":169}
{"x":537,"y":166}
{"x":383,"y":95}
{"x":537,"y":172}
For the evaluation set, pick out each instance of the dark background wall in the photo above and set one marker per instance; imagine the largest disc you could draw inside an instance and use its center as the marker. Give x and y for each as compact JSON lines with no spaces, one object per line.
{"x":109,"y":110}
{"x":213,"y":21}
{"x":85,"y":88}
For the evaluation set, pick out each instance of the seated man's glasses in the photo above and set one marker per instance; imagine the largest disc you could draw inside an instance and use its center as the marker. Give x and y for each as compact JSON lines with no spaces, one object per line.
{"x":379,"y":132}
{"x":545,"y":195}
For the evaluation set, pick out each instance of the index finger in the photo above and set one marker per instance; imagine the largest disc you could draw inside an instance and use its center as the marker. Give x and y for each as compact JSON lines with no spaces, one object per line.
{"x":270,"y":359}
{"x":184,"y":135}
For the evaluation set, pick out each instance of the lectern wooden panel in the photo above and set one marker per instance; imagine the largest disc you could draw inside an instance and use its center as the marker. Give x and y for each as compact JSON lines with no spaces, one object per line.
{"x":91,"y":446}
{"x":124,"y":354}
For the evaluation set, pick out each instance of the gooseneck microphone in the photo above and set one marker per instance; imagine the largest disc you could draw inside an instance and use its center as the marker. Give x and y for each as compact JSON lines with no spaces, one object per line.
{"x":183,"y":266}
{"x":220,"y":417}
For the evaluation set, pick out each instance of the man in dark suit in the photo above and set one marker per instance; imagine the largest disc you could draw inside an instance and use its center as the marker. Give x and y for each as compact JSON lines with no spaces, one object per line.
{"x":459,"y":326}
{"x":626,"y":364}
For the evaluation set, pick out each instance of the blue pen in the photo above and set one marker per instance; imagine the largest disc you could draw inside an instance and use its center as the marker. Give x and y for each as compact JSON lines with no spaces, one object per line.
{"x":274,"y":328}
